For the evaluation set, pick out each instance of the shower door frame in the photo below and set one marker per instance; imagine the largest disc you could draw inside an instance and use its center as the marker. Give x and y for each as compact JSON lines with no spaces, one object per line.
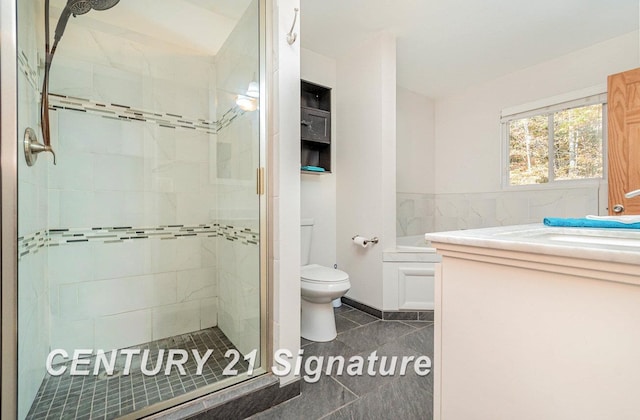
{"x":9,"y":206}
{"x":9,"y":209}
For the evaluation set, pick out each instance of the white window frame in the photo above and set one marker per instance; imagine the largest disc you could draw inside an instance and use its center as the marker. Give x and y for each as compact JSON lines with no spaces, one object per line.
{"x":585,"y":97}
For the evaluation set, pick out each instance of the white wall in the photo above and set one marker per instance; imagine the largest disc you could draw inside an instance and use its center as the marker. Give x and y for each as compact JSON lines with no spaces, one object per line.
{"x":366,"y":156}
{"x":285,"y":181}
{"x":468,"y":139}
{"x":468,"y":147}
{"x":318,"y":192}
{"x":415,"y":160}
{"x":415,"y":142}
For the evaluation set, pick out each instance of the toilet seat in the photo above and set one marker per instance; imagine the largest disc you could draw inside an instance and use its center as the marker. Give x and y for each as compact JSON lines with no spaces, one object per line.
{"x":315,"y":273}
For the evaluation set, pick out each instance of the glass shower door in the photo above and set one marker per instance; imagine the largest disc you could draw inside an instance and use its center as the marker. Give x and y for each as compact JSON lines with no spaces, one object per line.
{"x":139,"y":250}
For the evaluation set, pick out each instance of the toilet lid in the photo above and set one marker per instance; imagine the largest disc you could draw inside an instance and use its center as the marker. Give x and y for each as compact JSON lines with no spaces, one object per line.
{"x":320,"y":274}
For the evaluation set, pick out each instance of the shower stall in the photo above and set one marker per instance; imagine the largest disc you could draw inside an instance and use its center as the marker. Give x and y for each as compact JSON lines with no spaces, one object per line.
{"x":134,"y":160}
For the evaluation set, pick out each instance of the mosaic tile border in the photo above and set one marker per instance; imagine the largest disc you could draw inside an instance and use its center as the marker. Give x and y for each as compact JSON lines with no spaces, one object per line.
{"x":25,"y":68}
{"x":127,"y":113}
{"x":31,"y":244}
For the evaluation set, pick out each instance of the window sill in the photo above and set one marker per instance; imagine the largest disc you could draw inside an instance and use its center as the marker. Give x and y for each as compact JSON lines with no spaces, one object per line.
{"x":557,"y":185}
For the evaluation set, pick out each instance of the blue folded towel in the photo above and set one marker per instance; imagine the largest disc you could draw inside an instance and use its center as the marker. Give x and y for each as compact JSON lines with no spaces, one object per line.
{"x":589,"y":223}
{"x":313,"y":168}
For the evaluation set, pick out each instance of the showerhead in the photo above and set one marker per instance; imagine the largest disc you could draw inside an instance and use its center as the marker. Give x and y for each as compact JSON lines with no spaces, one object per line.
{"x":80,"y":7}
{"x":103,"y":4}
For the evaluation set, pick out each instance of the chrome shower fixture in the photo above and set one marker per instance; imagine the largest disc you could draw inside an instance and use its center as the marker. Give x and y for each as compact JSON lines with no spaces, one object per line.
{"x":75,"y":8}
{"x":79,"y":7}
{"x":103,"y":4}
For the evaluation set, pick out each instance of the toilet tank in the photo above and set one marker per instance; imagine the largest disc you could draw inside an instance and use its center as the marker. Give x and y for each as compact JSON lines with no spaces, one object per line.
{"x":306,"y":229}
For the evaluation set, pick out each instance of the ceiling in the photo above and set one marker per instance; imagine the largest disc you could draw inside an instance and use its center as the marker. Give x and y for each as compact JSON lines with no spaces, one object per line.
{"x":445,"y":46}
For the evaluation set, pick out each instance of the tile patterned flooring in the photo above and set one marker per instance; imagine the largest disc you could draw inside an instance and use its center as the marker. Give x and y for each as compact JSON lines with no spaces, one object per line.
{"x":108,"y":397}
{"x":365,"y":397}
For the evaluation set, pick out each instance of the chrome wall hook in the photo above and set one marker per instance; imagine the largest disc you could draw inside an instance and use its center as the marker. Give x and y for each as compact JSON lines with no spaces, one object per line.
{"x":292,"y":36}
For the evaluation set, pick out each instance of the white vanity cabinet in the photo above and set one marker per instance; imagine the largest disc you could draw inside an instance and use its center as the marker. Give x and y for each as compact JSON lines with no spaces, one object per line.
{"x":537,"y":323}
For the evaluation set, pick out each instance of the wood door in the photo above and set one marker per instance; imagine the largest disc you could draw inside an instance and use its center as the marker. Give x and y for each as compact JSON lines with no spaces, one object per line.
{"x":623,"y":109}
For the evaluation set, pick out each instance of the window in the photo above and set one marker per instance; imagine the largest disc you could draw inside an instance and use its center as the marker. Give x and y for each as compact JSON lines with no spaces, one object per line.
{"x":561,"y":142}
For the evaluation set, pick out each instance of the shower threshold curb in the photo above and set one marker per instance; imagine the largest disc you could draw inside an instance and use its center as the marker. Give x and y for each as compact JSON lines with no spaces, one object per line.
{"x":239,"y":401}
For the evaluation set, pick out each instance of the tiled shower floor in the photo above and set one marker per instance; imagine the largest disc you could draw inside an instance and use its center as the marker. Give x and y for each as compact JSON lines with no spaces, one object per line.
{"x":108,"y":397}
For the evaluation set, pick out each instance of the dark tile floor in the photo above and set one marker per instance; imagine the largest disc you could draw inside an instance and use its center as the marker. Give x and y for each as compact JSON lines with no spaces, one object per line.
{"x":365,"y":397}
{"x":109,"y":397}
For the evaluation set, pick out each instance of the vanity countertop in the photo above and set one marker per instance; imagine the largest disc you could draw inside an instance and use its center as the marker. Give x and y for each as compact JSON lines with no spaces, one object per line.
{"x":607,"y":245}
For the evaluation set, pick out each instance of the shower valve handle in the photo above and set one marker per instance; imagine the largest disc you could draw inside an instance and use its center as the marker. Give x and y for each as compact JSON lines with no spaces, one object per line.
{"x":32,"y":147}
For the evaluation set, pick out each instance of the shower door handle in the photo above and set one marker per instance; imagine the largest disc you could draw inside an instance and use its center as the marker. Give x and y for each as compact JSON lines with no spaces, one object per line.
{"x":260,"y":181}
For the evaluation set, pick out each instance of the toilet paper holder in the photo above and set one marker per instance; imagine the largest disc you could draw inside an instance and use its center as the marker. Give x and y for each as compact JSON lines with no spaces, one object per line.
{"x":367,"y":241}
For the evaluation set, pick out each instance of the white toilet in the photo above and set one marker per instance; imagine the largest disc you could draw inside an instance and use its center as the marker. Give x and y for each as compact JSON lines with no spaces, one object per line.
{"x":319,"y":286}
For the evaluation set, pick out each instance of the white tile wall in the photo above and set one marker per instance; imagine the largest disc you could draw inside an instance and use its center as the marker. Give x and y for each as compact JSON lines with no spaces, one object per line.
{"x":102,"y":288}
{"x":175,"y":254}
{"x":115,"y":208}
{"x":113,"y":260}
{"x":238,"y":306}
{"x":159,"y":209}
{"x":129,"y":175}
{"x":123,"y":161}
{"x":72,"y":334}
{"x":64,"y":175}
{"x":110,"y":331}
{"x":72,"y":77}
{"x":239,"y":293}
{"x":75,"y":208}
{"x":114,"y":173}
{"x":194,"y":147}
{"x":118,"y":86}
{"x":82,"y":132}
{"x":420,"y":213}
{"x":175,"y":319}
{"x":159,"y":145}
{"x":208,"y":312}
{"x":191,"y":208}
{"x":124,"y":294}
{"x":118,"y":173}
{"x":33,"y":291}
{"x":414,"y":213}
{"x":196,"y":284}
